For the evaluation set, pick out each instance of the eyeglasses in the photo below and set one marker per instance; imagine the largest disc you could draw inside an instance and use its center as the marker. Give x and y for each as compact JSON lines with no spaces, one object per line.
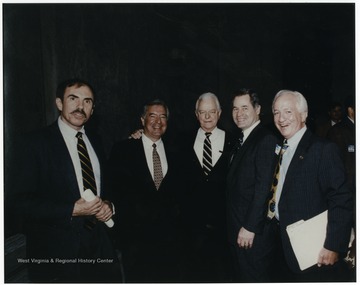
{"x":210,"y":113}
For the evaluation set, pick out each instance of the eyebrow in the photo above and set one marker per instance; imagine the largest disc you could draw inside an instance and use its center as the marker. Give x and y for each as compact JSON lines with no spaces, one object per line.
{"x":87,"y":98}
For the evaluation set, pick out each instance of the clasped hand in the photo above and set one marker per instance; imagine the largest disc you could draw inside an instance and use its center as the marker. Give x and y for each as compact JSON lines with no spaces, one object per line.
{"x":245,"y":238}
{"x":102,"y":210}
{"x":327,"y":257}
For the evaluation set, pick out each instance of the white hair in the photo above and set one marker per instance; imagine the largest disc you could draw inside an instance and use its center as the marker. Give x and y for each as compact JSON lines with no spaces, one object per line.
{"x":207,"y":96}
{"x":301,"y":103}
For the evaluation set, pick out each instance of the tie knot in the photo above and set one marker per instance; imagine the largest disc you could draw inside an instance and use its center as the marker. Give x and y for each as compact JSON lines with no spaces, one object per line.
{"x":241,"y":135}
{"x":154,"y":145}
{"x":207,"y":134}
{"x":79,"y":135}
{"x":285,"y":144}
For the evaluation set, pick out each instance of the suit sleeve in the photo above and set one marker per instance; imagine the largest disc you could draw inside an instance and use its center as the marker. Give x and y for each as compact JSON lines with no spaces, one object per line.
{"x":339,"y":199}
{"x":34,"y":195}
{"x":264,"y":167}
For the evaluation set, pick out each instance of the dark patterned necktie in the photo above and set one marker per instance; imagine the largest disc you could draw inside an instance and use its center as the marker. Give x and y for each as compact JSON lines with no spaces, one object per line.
{"x":272,"y":202}
{"x":207,"y":155}
{"x":87,"y":176}
{"x":158,"y":174}
{"x":237,"y":145}
{"x":86,"y":167}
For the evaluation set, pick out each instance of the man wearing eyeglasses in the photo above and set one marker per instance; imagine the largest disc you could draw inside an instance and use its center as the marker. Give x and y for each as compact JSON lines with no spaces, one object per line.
{"x":204,"y":157}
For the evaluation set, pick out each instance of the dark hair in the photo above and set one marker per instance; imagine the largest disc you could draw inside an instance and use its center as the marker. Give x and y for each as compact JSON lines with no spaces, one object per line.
{"x":155,"y":103}
{"x":333,"y":105}
{"x":60,"y":90}
{"x":254,"y":98}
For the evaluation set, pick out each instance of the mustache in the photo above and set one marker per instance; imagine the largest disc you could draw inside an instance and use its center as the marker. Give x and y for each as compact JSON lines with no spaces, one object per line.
{"x":79,"y":111}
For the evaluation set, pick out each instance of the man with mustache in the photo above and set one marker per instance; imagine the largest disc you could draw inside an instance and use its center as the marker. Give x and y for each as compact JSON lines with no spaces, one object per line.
{"x":63,"y":230}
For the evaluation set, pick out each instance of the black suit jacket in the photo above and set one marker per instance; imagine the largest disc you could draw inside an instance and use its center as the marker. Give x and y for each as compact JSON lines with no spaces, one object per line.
{"x":204,"y":195}
{"x":44,"y":194}
{"x":143,"y":213}
{"x":249,"y":182}
{"x":315,"y":182}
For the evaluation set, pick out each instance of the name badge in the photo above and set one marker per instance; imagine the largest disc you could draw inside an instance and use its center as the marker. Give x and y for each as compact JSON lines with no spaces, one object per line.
{"x":351,"y":148}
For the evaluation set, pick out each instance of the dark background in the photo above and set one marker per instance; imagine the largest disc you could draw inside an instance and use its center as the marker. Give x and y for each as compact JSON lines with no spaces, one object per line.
{"x":135,"y":52}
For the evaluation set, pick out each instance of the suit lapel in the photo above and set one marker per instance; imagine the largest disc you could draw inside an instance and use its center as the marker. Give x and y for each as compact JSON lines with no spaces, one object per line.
{"x":250,"y":140}
{"x":61,"y":155}
{"x":298,"y":157}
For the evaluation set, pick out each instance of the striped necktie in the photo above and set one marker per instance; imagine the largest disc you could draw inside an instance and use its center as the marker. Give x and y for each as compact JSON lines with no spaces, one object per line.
{"x":207,"y":155}
{"x":158,"y":174}
{"x":86,"y":167}
{"x":272,"y":202}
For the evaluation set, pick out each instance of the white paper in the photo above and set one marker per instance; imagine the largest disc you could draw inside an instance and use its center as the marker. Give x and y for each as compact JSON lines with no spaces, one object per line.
{"x":88,"y":195}
{"x":307,"y":239}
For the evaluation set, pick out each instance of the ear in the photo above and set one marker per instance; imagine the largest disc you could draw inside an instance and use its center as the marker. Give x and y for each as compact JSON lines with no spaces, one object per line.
{"x":196,"y":114}
{"x":59,"y":104}
{"x":303,"y":116}
{"x":219,"y":112}
{"x":258,"y":109}
{"x":142,"y":121}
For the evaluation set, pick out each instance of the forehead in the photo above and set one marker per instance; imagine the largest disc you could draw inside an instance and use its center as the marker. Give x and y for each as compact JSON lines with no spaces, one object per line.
{"x":243,"y":100}
{"x":156,"y":109}
{"x":286,"y":101}
{"x":80,"y":91}
{"x":207,"y":103}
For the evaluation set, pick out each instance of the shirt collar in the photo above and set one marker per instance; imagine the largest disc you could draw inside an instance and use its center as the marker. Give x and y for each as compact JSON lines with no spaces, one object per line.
{"x":67,"y":131}
{"x":250,"y":129}
{"x":214,"y":132}
{"x":148,"y":142}
{"x":295,"y":139}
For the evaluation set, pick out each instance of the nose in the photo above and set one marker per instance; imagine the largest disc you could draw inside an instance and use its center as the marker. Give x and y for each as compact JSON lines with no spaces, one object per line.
{"x":81,"y":105}
{"x":207,"y":115}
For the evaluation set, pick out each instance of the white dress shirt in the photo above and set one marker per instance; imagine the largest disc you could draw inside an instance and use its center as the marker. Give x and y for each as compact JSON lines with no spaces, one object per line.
{"x":69,"y":135}
{"x":286,"y":160}
{"x":217,"y":139}
{"x":148,"y":149}
{"x":249,"y":130}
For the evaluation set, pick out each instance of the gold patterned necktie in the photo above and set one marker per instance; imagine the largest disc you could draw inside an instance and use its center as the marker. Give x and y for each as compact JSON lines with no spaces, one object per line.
{"x":158,"y":174}
{"x":272,"y":202}
{"x":207,"y":155}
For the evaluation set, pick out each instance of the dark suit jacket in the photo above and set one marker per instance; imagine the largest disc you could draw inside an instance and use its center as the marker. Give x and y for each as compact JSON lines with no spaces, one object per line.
{"x":204,"y":197}
{"x":249,"y":182}
{"x":44,"y":194}
{"x":315,"y":182}
{"x":343,"y":134}
{"x":143,"y":213}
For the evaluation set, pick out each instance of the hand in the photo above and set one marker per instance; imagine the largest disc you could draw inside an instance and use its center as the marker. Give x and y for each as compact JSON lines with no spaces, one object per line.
{"x":327,"y":257}
{"x":245,"y":238}
{"x":83,"y":208}
{"x":105,"y":213}
{"x":137,"y":134}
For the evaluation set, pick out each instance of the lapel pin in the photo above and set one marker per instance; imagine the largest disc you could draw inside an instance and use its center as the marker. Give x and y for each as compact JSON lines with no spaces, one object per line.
{"x":301,"y":157}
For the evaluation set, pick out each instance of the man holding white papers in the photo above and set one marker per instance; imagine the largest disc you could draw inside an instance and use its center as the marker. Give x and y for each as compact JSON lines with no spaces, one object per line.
{"x":311,"y":181}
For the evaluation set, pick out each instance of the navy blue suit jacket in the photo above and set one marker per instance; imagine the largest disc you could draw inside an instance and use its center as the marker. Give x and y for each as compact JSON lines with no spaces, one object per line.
{"x":44,"y":194}
{"x":204,"y":195}
{"x":249,"y":182}
{"x":315,"y":182}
